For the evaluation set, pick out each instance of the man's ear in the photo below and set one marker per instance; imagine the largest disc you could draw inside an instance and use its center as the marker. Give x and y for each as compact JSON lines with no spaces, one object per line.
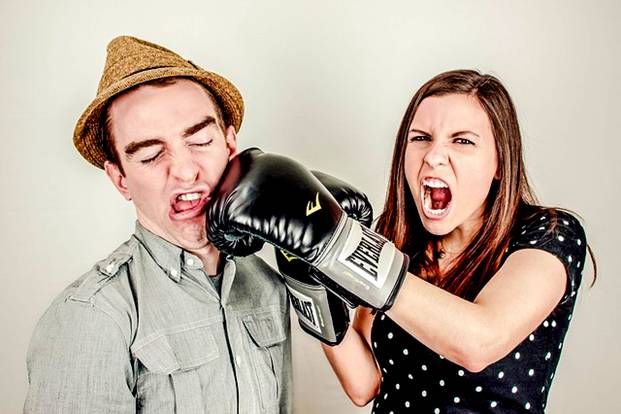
{"x":118,"y":179}
{"x":230,"y":137}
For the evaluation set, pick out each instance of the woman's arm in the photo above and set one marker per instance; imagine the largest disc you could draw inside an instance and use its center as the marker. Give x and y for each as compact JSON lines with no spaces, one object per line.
{"x":475,"y":334}
{"x":353,"y":361}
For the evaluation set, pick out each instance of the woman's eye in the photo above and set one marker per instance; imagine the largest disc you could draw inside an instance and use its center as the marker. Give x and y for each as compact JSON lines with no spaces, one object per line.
{"x":419,"y":138}
{"x":464,"y":141}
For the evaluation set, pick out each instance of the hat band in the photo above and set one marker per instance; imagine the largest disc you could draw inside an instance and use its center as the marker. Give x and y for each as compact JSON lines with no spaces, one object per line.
{"x":148,"y":69}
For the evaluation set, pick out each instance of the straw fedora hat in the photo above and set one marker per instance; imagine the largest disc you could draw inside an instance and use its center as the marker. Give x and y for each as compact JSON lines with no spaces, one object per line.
{"x":130,"y":62}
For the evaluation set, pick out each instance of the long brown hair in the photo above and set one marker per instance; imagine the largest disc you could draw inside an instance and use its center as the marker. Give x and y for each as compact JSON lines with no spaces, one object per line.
{"x":508,"y":195}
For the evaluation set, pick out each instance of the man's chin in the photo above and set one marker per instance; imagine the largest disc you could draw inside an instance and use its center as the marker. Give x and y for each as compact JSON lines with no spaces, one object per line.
{"x":192,"y":234}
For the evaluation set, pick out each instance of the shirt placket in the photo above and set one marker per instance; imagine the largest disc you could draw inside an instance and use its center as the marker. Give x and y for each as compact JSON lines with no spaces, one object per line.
{"x":240,"y":358}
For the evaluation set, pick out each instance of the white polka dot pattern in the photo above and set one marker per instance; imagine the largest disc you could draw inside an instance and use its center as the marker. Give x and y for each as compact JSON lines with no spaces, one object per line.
{"x":417,"y":379}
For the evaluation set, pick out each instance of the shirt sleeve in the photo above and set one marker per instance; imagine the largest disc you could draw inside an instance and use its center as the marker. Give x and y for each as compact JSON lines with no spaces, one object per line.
{"x":79,"y":362}
{"x":560,"y":233}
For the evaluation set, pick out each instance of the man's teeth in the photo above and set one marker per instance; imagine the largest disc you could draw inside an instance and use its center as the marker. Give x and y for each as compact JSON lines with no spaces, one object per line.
{"x":434,"y":183}
{"x":189,"y":196}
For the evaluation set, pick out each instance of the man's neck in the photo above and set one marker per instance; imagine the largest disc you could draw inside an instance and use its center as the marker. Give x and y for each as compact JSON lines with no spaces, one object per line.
{"x":210,"y":257}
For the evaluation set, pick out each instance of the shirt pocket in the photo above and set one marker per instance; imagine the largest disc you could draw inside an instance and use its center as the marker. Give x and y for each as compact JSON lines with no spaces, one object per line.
{"x":171,"y":381}
{"x":267,"y":333}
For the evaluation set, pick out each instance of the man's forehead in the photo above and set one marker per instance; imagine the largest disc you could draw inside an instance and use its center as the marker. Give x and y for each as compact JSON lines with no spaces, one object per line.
{"x":151,"y":108}
{"x":148,"y":92}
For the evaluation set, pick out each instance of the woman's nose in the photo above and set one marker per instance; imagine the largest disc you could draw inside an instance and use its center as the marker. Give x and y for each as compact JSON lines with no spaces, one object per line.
{"x":437,"y":155}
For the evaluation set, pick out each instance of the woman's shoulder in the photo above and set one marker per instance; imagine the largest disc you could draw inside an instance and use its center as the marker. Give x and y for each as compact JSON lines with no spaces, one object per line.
{"x":556,"y":231}
{"x":537,"y":224}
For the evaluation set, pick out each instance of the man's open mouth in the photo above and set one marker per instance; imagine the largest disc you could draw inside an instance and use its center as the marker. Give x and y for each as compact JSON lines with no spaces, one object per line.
{"x":436,"y":197}
{"x":188,"y":205}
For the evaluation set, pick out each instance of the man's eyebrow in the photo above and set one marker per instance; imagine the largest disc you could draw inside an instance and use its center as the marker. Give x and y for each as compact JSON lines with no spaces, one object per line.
{"x":133,"y":147}
{"x":197,"y":127}
{"x":455,"y":134}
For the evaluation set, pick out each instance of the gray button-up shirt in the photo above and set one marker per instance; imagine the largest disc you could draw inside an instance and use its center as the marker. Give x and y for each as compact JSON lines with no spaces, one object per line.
{"x":146,"y":332}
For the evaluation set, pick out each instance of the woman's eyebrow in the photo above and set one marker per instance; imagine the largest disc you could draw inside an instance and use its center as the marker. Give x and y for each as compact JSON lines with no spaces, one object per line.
{"x":419,"y":131}
{"x":454,"y":134}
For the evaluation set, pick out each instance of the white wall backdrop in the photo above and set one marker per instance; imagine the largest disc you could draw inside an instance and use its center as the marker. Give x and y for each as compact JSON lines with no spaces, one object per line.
{"x":324,"y":82}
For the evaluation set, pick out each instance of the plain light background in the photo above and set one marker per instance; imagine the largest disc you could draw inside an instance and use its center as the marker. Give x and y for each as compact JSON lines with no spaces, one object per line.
{"x":324,"y":82}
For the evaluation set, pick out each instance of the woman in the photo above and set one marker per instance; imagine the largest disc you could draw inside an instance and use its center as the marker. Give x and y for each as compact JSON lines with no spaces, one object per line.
{"x":478,"y":325}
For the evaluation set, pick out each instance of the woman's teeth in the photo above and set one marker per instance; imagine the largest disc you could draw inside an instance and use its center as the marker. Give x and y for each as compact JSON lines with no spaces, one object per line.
{"x":434,"y":183}
{"x":436,"y":196}
{"x":432,"y":211}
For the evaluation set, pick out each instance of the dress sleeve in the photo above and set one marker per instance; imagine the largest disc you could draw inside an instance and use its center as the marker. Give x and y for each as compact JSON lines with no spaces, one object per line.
{"x":78,"y":362}
{"x":559,"y":233}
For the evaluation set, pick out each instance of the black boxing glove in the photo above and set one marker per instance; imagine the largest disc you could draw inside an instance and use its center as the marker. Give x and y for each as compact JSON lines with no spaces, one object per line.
{"x":275,"y":199}
{"x":321,"y":313}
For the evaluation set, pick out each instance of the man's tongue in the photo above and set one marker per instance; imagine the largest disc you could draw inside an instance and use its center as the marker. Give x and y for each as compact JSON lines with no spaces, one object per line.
{"x":440,"y":197}
{"x":181,"y":205}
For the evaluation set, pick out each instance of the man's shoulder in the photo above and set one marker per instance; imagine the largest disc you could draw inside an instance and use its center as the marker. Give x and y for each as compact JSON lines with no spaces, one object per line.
{"x":105,"y":288}
{"x":106,"y":274}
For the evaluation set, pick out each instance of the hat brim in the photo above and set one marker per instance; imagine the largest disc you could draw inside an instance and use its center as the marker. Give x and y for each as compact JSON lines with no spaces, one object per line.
{"x":87,"y":136}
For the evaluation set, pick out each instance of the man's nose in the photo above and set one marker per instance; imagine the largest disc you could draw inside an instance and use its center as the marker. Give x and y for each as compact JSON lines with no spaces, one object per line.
{"x":183,"y":166}
{"x":437,"y":154}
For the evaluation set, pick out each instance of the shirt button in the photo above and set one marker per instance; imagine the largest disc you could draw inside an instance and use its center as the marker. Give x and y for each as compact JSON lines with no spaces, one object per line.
{"x":173,"y":272}
{"x":190,"y":262}
{"x":238,"y":361}
{"x":110,"y":267}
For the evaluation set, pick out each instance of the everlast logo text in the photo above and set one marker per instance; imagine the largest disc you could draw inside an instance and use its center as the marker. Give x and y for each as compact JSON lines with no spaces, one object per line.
{"x":367,"y":254}
{"x":305,"y":308}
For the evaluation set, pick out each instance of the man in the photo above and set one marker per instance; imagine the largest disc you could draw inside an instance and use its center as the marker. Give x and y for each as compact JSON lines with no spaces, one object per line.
{"x":164,"y":324}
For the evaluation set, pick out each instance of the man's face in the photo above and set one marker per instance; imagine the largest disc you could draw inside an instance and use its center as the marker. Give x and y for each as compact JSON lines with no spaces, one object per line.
{"x":173,"y":153}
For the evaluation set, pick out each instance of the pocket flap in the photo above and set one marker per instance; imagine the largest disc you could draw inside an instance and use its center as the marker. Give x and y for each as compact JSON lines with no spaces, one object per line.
{"x":266,"y":327}
{"x":177,"y":350}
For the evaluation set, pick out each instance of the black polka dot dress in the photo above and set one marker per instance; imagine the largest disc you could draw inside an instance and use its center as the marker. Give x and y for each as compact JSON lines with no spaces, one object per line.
{"x":417,"y":379}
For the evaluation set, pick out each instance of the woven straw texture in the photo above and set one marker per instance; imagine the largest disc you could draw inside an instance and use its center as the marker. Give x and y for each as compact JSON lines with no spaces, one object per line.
{"x":130,"y":62}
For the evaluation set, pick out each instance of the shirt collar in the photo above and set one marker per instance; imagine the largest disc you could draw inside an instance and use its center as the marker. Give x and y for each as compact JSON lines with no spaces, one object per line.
{"x":170,"y":257}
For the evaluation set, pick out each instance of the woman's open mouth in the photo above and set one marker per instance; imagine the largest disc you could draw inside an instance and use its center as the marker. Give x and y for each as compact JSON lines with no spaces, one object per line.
{"x":435,"y":197}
